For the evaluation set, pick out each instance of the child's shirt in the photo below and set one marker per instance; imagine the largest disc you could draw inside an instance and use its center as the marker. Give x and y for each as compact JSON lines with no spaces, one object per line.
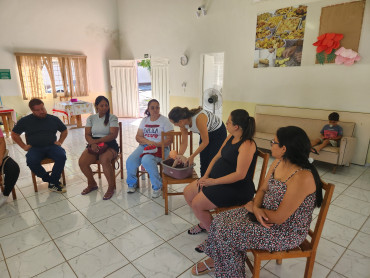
{"x":331,"y":132}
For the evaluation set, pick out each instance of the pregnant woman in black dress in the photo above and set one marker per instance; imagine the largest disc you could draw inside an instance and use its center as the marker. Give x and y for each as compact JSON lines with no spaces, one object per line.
{"x":228,"y":179}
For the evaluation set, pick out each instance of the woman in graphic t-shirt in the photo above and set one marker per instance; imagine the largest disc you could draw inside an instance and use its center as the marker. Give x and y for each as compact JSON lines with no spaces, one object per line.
{"x":149,"y":153}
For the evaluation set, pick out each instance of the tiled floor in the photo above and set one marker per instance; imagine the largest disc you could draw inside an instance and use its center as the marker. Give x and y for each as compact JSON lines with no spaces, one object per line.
{"x":68,"y":235}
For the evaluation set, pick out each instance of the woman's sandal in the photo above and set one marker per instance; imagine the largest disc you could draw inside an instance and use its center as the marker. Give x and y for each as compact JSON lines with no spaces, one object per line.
{"x":197,"y":229}
{"x":196,"y":272}
{"x":109,"y":194}
{"x":200,"y":248}
{"x":88,"y":189}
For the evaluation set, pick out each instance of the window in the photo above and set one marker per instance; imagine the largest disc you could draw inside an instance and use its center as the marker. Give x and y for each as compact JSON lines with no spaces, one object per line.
{"x":61,"y":75}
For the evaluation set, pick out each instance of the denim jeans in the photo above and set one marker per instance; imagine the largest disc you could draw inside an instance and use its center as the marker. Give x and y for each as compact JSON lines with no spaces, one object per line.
{"x":55,"y":152}
{"x":149,"y":162}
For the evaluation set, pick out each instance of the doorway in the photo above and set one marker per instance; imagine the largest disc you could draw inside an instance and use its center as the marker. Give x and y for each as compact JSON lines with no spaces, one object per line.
{"x":144,"y":84}
{"x":125,"y":86}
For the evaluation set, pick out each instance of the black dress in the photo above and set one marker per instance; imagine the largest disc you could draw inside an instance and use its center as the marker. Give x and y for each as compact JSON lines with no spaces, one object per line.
{"x":232,"y":194}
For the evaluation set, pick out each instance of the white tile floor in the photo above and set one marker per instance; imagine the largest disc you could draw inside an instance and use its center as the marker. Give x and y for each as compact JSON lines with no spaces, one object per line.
{"x":69,"y":235}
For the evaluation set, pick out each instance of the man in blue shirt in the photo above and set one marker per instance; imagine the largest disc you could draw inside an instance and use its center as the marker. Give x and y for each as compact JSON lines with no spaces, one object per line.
{"x":41,"y":128}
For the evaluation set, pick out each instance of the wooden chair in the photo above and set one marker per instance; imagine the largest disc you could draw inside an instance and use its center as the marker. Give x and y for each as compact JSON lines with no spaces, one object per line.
{"x":2,"y":188}
{"x":265,"y":157}
{"x":307,"y":249}
{"x":43,"y":162}
{"x":166,"y":180}
{"x":119,"y":157}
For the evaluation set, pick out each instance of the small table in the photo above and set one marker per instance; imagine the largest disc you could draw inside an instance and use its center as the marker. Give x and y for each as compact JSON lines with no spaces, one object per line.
{"x":8,"y":118}
{"x":73,"y":110}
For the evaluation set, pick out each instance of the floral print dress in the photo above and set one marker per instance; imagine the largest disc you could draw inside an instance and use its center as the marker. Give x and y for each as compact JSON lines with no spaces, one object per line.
{"x":233,"y":232}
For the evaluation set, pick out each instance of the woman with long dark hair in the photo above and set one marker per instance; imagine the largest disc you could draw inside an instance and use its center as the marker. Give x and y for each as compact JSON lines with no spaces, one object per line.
{"x":210,"y":127}
{"x":282,"y":209}
{"x":101,"y":127}
{"x":149,"y":152}
{"x":228,"y":180}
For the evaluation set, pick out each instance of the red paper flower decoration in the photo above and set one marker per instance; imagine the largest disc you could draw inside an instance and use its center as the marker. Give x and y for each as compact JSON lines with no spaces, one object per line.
{"x":327,"y":42}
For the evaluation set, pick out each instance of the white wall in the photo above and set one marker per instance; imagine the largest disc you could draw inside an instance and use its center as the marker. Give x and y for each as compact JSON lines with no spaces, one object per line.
{"x":169,"y":28}
{"x":86,"y":27}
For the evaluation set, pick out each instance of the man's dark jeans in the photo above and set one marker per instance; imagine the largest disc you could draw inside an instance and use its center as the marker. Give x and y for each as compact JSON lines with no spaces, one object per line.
{"x":55,"y":152}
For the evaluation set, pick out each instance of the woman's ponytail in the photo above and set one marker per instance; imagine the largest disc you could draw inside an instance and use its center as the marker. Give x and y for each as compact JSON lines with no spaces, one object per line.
{"x":241,"y":118}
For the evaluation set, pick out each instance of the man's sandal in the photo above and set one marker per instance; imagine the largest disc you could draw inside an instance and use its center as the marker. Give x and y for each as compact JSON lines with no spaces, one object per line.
{"x":109,"y":194}
{"x":197,"y":229}
{"x":200,"y":248}
{"x":196,"y":272}
{"x":88,"y":189}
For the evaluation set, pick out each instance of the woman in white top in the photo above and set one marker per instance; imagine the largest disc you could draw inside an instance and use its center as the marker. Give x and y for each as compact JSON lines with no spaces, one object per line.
{"x":210,"y":127}
{"x":100,"y":128}
{"x":149,"y":152}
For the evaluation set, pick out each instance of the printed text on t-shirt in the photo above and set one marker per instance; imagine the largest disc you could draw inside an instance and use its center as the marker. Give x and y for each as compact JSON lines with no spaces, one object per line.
{"x":151,"y":131}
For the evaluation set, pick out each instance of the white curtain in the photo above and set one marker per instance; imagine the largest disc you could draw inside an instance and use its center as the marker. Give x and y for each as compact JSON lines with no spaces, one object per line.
{"x":160,"y":83}
{"x":125,"y":100}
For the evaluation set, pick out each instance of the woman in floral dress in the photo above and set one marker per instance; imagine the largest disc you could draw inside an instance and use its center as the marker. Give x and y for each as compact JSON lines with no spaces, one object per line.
{"x":277,"y":219}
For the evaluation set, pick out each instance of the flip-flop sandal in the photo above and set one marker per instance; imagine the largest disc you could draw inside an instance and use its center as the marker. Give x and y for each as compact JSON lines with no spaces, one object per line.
{"x":200,"y":248}
{"x":313,"y":150}
{"x":197,"y":229}
{"x":88,"y":189}
{"x":109,"y":194}
{"x":198,"y":273}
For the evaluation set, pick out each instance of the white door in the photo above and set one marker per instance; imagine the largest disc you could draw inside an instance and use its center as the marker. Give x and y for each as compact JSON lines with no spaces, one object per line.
{"x":160,"y":83}
{"x":123,"y":76}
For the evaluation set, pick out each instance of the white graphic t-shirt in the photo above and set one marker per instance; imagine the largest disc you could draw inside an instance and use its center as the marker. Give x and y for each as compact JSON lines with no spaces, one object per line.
{"x":153,"y":130}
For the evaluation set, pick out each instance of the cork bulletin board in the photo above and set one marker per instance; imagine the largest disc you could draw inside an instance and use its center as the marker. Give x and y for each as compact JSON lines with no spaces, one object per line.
{"x":344,"y":19}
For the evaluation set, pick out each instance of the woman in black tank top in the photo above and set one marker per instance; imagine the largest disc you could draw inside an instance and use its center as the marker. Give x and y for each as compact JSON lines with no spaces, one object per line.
{"x":228,"y":179}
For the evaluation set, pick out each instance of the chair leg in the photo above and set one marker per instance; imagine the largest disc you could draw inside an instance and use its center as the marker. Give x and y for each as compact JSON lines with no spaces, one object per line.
{"x":309,"y":266}
{"x":14,"y":194}
{"x":99,"y":171}
{"x":34,"y":182}
{"x":165,"y":196}
{"x":121,"y":166}
{"x":334,"y":169}
{"x":64,"y":178}
{"x":138,"y":177}
{"x":256,"y":267}
{"x":114,"y":175}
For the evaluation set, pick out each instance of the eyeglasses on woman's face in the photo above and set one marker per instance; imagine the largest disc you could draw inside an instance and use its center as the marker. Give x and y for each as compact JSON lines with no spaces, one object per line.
{"x":273,"y":142}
